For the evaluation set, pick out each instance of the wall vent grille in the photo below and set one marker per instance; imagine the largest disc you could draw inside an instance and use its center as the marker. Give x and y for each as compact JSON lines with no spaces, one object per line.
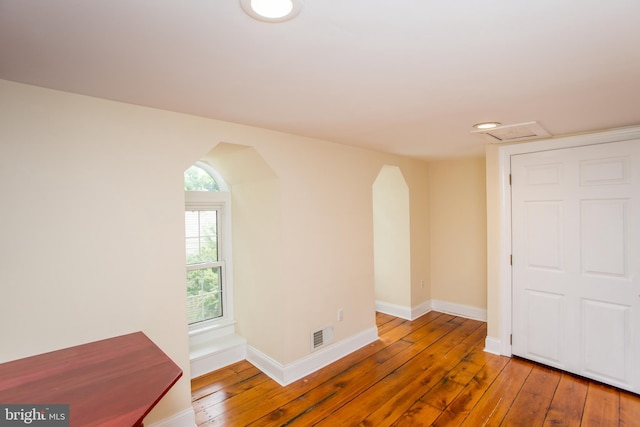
{"x":321,"y":338}
{"x":511,"y":133}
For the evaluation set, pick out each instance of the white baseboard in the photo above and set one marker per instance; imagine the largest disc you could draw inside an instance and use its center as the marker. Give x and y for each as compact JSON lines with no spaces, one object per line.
{"x":186,"y":418}
{"x":286,"y":374}
{"x":492,"y":345}
{"x":461,"y":310}
{"x":407,"y":313}
{"x":421,"y":309}
{"x":400,"y":311}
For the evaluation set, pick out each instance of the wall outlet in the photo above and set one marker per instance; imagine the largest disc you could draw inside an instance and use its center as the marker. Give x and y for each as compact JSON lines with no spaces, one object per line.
{"x":340,"y":315}
{"x":422,"y":283}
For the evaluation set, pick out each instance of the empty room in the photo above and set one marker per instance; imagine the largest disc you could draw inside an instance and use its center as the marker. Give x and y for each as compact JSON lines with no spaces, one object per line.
{"x":305,"y":212}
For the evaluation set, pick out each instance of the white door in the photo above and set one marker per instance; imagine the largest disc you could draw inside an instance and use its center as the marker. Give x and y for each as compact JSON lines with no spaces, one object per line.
{"x":576,"y":260}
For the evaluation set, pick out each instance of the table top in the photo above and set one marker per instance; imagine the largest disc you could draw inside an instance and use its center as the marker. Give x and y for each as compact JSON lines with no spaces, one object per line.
{"x":112,"y":382}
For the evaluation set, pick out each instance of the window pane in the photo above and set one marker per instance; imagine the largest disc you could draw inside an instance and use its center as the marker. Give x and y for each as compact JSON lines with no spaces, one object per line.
{"x":191,"y":222}
{"x":204,"y":294}
{"x":196,"y":179}
{"x":201,"y":232}
{"x":208,"y":236}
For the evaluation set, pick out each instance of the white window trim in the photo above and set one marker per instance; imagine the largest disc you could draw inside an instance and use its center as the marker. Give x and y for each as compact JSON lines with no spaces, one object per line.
{"x":222,"y":184}
{"x":221,"y":201}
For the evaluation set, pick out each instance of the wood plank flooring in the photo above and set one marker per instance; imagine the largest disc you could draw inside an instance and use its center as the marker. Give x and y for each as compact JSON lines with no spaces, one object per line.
{"x":428,"y":372}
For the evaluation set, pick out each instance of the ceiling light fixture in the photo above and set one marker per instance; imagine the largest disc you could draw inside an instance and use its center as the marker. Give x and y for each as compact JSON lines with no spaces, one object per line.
{"x":486,"y":125}
{"x":272,"y":10}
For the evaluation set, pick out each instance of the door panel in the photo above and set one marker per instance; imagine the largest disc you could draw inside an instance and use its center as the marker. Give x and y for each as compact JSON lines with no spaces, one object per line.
{"x":576,"y":260}
{"x":604,"y":225}
{"x":605,"y":335}
{"x":544,"y":234}
{"x":544,"y":339}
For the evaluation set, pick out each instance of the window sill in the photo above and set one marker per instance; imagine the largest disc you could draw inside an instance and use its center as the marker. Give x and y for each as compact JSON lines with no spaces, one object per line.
{"x":210,"y":339}
{"x":213,"y":330}
{"x":213,"y":347}
{"x":216,"y":346}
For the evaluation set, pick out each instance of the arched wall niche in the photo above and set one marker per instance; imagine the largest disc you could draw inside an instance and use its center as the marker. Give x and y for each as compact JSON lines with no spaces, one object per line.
{"x":391,"y":237}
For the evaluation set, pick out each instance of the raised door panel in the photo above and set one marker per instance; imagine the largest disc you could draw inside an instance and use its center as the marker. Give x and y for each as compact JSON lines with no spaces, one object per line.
{"x":544,"y":324}
{"x":606,"y":338}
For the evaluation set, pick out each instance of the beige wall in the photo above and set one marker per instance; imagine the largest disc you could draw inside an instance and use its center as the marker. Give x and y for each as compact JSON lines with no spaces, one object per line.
{"x":392,"y":237}
{"x":419,"y":219}
{"x":494,"y":219}
{"x":458,"y":231}
{"x":257,"y":243}
{"x":92,"y":229}
{"x":92,"y":224}
{"x":401,"y":231}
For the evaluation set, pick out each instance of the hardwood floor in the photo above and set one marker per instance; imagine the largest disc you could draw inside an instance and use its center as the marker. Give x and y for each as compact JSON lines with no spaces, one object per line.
{"x":428,"y":372}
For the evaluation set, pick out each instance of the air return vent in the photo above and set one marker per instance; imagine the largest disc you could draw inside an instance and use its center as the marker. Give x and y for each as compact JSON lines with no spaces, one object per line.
{"x":513,"y":133}
{"x":321,"y":338}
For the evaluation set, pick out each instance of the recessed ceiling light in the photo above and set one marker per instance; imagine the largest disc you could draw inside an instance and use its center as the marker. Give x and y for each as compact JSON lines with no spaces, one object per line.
{"x":272,"y":10}
{"x":486,"y":125}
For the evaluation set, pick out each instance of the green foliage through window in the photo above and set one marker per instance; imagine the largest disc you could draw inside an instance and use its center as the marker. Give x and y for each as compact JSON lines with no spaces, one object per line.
{"x":201,"y":232}
{"x":197,"y":179}
{"x":204,"y":269}
{"x":204,"y":287}
{"x":204,"y":294}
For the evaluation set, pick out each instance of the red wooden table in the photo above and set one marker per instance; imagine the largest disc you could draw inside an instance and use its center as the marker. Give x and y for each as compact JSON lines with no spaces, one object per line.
{"x":112,"y":382}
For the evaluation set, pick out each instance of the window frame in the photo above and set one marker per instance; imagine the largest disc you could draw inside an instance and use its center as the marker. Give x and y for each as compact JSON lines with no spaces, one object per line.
{"x":218,"y":263}
{"x":219,"y":201}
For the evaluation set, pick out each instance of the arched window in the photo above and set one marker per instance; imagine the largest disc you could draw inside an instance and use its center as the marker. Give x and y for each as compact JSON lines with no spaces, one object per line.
{"x":197,"y":179}
{"x":202,"y":177}
{"x":207,"y":246}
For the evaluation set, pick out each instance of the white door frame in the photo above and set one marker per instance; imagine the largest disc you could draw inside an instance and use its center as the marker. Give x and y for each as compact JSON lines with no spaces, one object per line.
{"x":504,"y":164}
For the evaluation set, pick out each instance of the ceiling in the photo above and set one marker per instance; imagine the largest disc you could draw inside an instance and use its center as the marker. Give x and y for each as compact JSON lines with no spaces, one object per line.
{"x":403,"y":76}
